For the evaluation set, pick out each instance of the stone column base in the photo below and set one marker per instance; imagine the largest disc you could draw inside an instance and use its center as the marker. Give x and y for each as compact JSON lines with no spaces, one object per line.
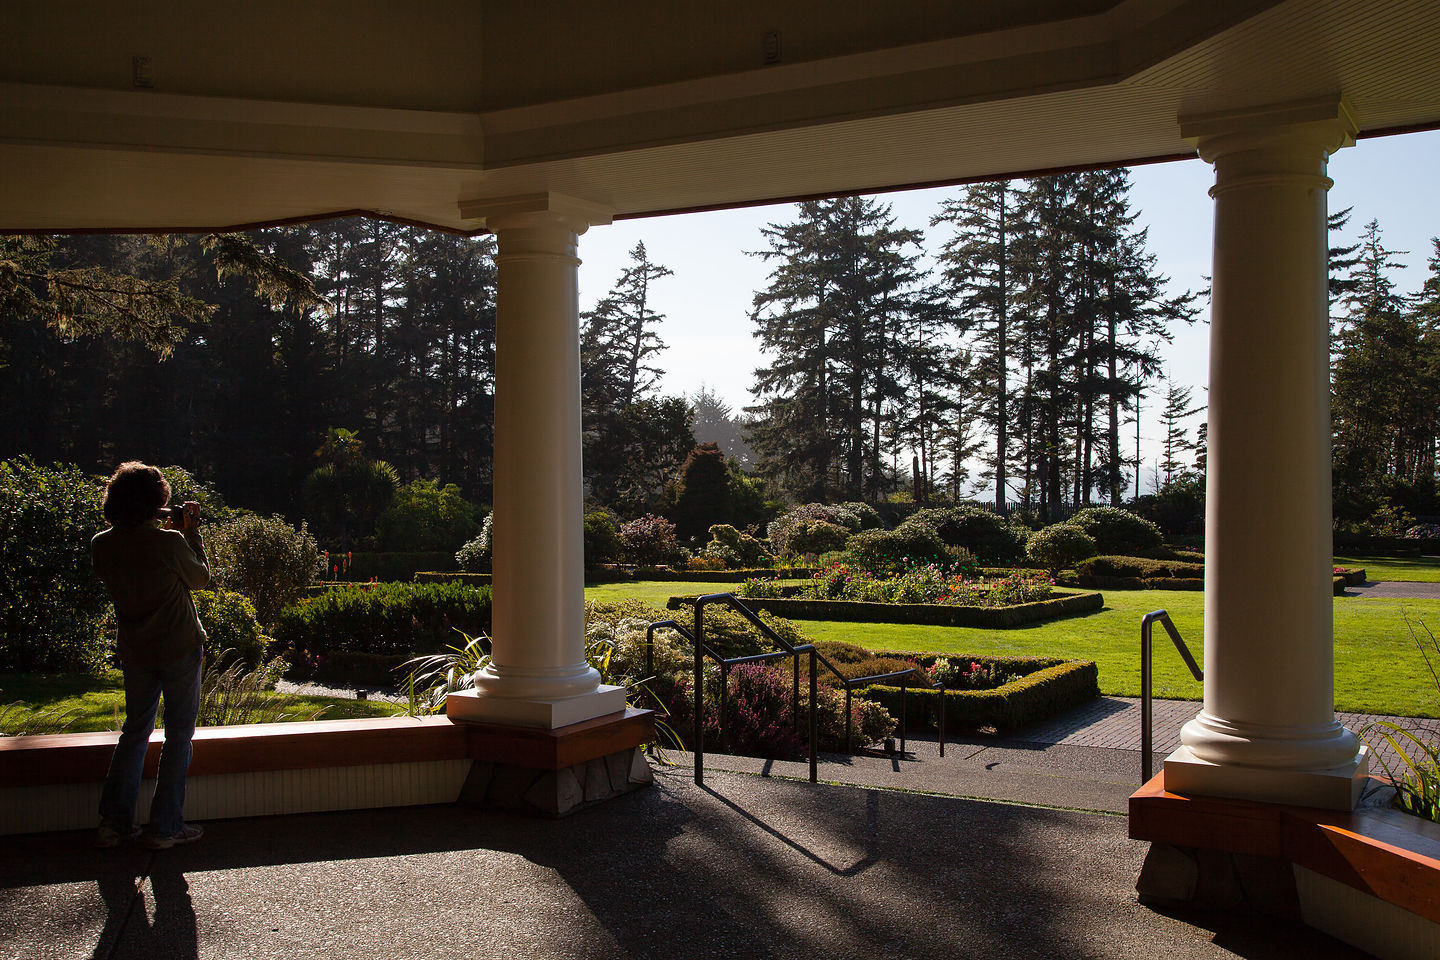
{"x":1337,"y":788}
{"x":545,"y":714}
{"x":1204,"y":879}
{"x":556,"y":793}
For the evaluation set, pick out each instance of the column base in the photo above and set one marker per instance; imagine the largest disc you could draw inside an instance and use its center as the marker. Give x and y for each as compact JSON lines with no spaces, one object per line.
{"x":557,"y":793}
{"x":1335,"y":788}
{"x":545,"y":714}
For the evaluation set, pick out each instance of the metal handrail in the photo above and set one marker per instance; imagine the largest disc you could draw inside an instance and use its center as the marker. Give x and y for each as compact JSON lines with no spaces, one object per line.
{"x":703,"y":650}
{"x":1146,"y":723}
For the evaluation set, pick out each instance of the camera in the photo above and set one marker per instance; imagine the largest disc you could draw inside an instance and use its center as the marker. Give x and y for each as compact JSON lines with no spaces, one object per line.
{"x":176,"y":515}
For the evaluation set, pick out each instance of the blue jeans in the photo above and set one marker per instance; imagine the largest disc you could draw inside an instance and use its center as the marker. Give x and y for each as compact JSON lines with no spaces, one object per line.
{"x":179,"y":680}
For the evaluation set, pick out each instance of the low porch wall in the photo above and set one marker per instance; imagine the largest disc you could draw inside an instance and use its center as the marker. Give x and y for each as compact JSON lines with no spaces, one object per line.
{"x":53,"y":782}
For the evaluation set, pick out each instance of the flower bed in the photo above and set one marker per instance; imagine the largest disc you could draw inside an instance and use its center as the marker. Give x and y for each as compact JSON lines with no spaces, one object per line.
{"x":912,"y":583}
{"x":1041,"y":687}
{"x":926,"y":614}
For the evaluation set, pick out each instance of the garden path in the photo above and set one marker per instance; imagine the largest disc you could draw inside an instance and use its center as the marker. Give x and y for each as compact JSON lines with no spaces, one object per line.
{"x":1395,"y":589}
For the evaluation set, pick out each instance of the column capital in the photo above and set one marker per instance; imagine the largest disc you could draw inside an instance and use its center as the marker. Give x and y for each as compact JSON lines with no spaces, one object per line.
{"x":534,"y":210}
{"x":1323,"y":124}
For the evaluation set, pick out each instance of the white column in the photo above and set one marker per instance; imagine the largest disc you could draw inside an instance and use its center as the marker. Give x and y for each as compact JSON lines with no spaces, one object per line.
{"x":538,"y":675}
{"x":1268,"y":729}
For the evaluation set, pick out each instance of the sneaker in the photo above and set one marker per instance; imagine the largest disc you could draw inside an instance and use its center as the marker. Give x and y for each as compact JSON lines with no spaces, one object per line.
{"x":111,"y":836}
{"x":188,"y":834}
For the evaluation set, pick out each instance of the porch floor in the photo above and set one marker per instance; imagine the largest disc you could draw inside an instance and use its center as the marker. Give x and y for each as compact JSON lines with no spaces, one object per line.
{"x":746,"y":866}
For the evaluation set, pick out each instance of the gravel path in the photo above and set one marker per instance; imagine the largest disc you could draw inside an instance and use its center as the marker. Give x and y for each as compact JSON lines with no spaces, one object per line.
{"x":345,"y":691}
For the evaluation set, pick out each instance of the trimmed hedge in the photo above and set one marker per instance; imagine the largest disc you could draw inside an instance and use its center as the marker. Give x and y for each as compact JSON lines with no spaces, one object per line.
{"x":1139,"y":567}
{"x":387,"y":618}
{"x":619,"y":574}
{"x":1355,"y":543}
{"x":1141,"y":583}
{"x":1049,"y":687}
{"x":446,"y":576}
{"x":1352,"y":576}
{"x":387,"y":567}
{"x":927,"y":614}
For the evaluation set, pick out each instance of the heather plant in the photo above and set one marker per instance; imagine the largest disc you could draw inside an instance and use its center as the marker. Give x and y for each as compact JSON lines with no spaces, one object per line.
{"x":651,"y":541}
{"x":759,"y":721}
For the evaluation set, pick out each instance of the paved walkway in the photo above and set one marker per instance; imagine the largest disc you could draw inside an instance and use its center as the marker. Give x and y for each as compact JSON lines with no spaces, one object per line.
{"x":1397,"y":589}
{"x":1114,"y":723}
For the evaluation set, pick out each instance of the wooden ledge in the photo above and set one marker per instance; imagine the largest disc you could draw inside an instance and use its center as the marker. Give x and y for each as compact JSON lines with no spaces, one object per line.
{"x":1382,"y":852}
{"x":85,"y":757}
{"x":540,"y":749}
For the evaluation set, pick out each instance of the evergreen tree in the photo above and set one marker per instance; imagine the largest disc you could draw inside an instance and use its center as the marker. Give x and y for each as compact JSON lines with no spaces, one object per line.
{"x":1178,"y":409}
{"x":1386,"y":376}
{"x":835,"y":321}
{"x":977,"y":264}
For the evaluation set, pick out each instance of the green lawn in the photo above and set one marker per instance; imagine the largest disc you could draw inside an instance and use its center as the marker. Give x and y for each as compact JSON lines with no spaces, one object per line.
{"x":1377,"y":667}
{"x":98,"y":703}
{"x":1419,"y":569}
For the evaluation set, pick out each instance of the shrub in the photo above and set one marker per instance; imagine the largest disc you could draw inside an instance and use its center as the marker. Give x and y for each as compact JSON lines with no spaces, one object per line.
{"x":52,"y":606}
{"x":783,"y":529}
{"x":982,"y":532}
{"x":231,"y":628}
{"x":817,"y":536}
{"x":264,"y":558}
{"x":868,"y":516}
{"x":185,"y":487}
{"x":387,"y":618}
{"x":1141,"y":567}
{"x":1039,"y":688}
{"x":736,"y":549}
{"x":883,"y":551}
{"x":759,"y":719}
{"x":1059,"y":546}
{"x":474,"y":557}
{"x":426,"y":516}
{"x":651,"y":540}
{"x":1117,"y":531}
{"x":602,"y":538}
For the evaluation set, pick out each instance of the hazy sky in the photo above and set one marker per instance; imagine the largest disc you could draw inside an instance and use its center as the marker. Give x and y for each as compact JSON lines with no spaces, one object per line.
{"x":707,"y":302}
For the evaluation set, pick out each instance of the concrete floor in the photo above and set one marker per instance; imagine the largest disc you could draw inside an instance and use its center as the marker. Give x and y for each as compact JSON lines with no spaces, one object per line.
{"x":745,"y":866}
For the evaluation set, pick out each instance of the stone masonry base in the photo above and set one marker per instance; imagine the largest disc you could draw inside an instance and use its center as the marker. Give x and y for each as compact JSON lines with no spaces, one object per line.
{"x":556,"y":793}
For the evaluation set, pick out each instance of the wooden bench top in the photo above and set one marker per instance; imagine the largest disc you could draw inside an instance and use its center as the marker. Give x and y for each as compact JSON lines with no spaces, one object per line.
{"x":85,"y":757}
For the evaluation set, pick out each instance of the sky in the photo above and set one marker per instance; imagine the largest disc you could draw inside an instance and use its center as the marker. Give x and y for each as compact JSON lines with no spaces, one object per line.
{"x":706,"y":303}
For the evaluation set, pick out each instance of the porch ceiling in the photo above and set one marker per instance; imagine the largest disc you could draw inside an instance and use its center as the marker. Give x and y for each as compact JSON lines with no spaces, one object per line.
{"x":268,"y":111}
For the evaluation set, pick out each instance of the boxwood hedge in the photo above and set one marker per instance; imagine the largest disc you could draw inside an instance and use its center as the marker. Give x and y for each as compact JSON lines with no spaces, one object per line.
{"x":1048,"y":686}
{"x":928,"y":614}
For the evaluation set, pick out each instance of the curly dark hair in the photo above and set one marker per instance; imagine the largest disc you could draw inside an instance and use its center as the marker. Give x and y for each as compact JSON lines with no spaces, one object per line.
{"x":135,"y":494}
